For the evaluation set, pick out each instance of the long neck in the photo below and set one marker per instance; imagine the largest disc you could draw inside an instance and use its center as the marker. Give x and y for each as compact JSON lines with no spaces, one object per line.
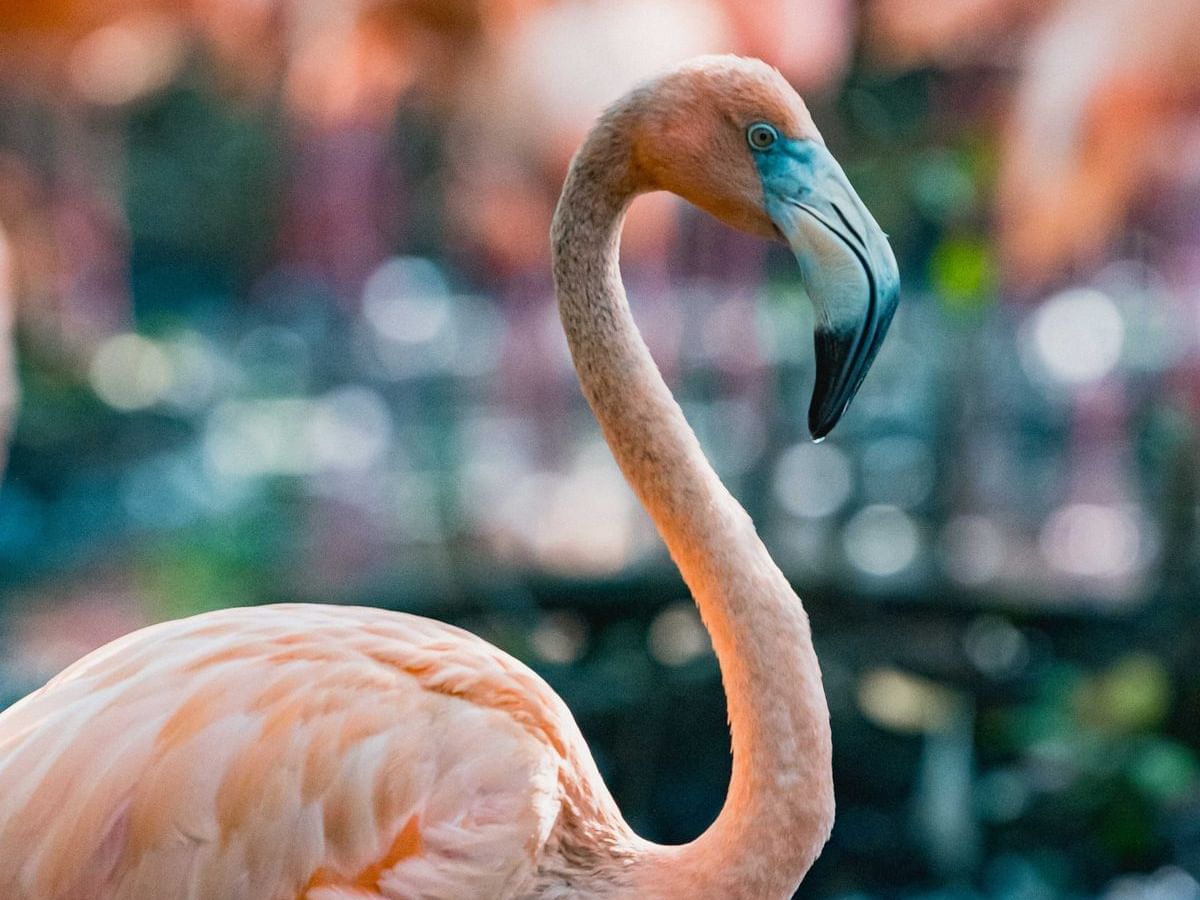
{"x":779,"y":809}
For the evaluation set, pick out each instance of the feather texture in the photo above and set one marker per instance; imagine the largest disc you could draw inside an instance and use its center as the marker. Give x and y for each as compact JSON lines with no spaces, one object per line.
{"x":287,"y":752}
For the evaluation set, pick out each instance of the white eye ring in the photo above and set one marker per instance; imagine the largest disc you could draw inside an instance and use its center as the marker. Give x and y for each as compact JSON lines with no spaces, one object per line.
{"x":761,"y":136}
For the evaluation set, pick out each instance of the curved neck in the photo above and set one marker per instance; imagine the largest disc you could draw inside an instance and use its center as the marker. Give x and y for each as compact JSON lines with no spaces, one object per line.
{"x":779,"y":809}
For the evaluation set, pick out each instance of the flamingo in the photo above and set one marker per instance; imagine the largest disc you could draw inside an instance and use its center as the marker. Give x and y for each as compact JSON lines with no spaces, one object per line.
{"x":308,"y":752}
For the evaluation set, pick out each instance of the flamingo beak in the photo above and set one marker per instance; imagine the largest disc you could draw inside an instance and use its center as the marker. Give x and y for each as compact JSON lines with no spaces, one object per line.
{"x":846,"y":264}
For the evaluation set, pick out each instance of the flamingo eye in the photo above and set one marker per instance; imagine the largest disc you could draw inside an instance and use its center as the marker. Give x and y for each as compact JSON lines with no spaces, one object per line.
{"x":761,"y":136}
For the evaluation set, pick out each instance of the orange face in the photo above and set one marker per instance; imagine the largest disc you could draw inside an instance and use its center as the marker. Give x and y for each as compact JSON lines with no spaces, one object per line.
{"x":691,"y":135}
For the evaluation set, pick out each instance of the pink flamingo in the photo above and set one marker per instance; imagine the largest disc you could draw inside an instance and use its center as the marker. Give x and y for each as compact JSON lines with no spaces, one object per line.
{"x":333,"y":753}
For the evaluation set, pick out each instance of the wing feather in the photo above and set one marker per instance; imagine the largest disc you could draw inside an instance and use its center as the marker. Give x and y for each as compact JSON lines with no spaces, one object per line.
{"x":282,"y":752}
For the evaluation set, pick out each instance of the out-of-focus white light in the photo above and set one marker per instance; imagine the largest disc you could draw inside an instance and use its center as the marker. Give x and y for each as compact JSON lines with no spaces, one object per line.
{"x":123,"y":61}
{"x":1091,"y":540}
{"x":560,"y":637}
{"x":350,"y":429}
{"x":812,"y":480}
{"x":195,"y":368}
{"x":407,"y":300}
{"x":677,"y":635}
{"x":259,"y":437}
{"x":130,"y":372}
{"x":972,"y":549}
{"x":585,"y":525}
{"x":1168,"y":883}
{"x":561,"y":79}
{"x":584,"y":522}
{"x":1077,"y":336}
{"x":881,"y":540}
{"x":276,"y":359}
{"x":347,"y":430}
{"x":511,"y":519}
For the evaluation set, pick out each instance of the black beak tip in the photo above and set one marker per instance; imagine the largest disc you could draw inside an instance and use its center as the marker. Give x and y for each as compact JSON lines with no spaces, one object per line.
{"x":819,"y":431}
{"x":821,"y":421}
{"x":835,"y":382}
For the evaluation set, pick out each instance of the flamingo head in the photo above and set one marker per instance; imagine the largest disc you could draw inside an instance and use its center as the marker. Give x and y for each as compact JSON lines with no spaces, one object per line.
{"x":731,"y":136}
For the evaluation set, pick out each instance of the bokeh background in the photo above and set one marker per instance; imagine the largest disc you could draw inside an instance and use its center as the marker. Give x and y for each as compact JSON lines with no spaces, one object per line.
{"x":275,"y":303}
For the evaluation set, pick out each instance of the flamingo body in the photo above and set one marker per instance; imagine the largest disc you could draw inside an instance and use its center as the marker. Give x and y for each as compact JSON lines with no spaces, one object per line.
{"x":295,"y":753}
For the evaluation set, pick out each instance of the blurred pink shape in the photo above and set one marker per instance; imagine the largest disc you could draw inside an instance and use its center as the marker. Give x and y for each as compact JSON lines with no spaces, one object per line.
{"x":533,"y":96}
{"x":1106,"y":87}
{"x":344,"y":69}
{"x":67,"y":623}
{"x":567,"y":61}
{"x":809,"y":41}
{"x":915,"y":32}
{"x":1104,"y":91}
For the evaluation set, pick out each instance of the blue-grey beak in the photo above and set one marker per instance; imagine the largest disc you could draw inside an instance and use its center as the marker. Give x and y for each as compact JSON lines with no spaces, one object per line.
{"x":847,"y":266}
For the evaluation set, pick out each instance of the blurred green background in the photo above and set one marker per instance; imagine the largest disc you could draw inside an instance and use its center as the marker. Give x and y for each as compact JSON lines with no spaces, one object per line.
{"x":283,"y":330}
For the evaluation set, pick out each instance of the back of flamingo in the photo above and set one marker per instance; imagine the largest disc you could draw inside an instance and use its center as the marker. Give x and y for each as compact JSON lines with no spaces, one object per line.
{"x":282,"y":752}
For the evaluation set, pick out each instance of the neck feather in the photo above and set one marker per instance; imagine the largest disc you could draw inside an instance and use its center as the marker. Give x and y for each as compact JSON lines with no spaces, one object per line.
{"x":779,"y":809}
